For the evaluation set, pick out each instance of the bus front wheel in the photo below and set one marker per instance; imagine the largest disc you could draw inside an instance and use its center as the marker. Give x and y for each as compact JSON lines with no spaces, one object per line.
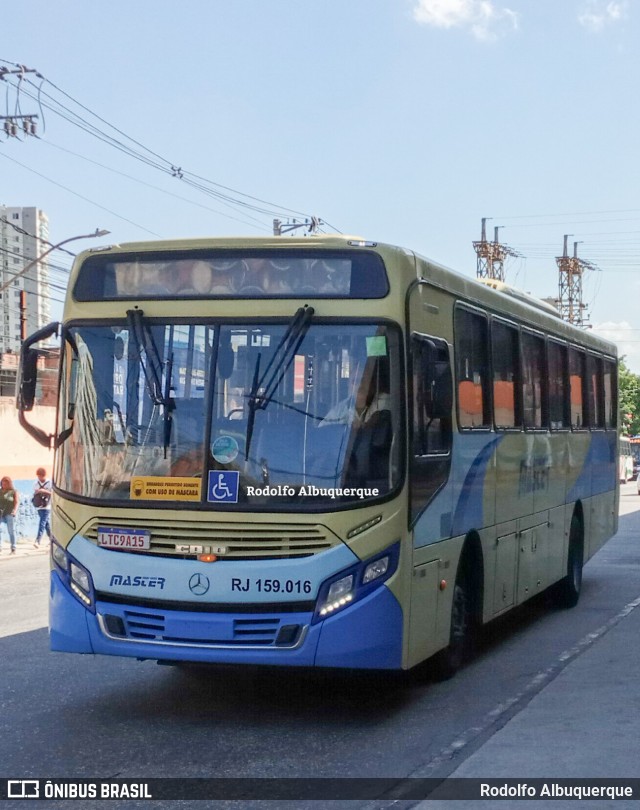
{"x":448,"y":661}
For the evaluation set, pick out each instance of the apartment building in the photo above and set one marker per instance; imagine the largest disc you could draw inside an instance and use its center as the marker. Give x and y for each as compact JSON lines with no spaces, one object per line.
{"x":23,"y":234}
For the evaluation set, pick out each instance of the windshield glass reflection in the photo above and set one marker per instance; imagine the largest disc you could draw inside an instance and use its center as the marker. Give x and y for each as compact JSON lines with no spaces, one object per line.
{"x":330,"y":425}
{"x":146,"y":418}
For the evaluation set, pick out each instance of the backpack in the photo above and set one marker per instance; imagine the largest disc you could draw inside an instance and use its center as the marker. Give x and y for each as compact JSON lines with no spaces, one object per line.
{"x":41,"y":499}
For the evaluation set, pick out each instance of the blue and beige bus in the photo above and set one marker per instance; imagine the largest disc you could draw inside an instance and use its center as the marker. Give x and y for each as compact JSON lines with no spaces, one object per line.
{"x":317,"y":452}
{"x":625,"y":460}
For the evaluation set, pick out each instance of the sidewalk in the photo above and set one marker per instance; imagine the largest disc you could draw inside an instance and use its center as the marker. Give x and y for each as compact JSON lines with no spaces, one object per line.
{"x":24,"y":548}
{"x":582,"y":725}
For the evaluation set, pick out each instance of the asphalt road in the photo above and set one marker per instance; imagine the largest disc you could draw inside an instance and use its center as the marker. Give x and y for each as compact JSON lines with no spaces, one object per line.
{"x":69,"y":715}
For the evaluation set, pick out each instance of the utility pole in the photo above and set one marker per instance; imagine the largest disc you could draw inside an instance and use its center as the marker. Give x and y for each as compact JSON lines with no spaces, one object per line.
{"x":18,"y":124}
{"x":312,"y":225}
{"x":570,"y":271}
{"x":23,"y":315}
{"x":491,"y":255}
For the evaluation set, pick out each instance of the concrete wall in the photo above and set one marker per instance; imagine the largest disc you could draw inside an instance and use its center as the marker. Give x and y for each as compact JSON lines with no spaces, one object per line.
{"x":20,"y":455}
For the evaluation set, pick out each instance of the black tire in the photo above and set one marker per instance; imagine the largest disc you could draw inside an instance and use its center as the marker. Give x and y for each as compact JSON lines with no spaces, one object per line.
{"x":568,"y":589}
{"x":447,"y":662}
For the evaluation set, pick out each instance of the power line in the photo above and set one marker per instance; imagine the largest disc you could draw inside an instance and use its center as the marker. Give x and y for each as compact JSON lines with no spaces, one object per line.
{"x":574,"y":214}
{"x":136,"y":150}
{"x":81,"y":196}
{"x":154,"y":187}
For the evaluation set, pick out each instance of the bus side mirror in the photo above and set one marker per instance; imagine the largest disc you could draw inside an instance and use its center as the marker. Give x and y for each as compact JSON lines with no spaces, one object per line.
{"x":28,"y":380}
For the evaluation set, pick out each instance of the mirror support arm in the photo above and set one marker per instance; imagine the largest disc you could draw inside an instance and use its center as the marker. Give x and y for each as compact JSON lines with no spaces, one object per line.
{"x":26,"y":387}
{"x":45,"y":439}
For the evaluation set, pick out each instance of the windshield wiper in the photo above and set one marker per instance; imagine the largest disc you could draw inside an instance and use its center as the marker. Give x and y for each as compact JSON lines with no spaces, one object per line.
{"x":276,"y":368}
{"x":252,"y":408}
{"x":152,"y":371}
{"x":144,"y":342}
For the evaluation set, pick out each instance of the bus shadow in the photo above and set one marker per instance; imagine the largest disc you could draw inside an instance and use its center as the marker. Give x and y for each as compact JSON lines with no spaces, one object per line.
{"x":241,"y":694}
{"x":516,"y":621}
{"x":264,"y":695}
{"x":186,"y":692}
{"x":332,"y":697}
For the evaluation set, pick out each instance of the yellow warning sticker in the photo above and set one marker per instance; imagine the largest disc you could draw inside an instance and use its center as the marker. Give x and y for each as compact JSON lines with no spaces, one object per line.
{"x":158,"y":488}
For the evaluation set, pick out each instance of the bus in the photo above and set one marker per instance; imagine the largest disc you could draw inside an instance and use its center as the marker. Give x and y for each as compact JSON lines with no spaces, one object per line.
{"x":317,"y":452}
{"x":625,"y":460}
{"x":634,"y":442}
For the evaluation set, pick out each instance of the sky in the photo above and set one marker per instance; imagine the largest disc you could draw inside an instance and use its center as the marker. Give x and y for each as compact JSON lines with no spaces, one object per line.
{"x":402,"y":121}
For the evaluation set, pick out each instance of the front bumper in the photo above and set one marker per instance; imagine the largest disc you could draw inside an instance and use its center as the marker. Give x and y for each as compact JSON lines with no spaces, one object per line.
{"x":365,"y":635}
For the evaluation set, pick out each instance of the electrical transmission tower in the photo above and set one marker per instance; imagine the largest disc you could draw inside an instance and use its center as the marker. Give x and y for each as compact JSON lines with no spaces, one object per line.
{"x":491,"y":255}
{"x":571,"y":268}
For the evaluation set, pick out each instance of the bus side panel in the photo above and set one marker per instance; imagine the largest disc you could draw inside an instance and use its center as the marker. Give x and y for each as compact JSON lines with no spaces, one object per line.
{"x":549,"y":478}
{"x":578,"y":467}
{"x":603,"y":515}
{"x":432,"y":582}
{"x":596,"y":485}
{"x":423,"y":613}
{"x":514,"y":493}
{"x":558,"y":542}
{"x":473,"y":478}
{"x":467,"y":501}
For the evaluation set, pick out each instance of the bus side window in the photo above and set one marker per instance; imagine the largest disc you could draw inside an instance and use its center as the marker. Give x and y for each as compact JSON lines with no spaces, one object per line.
{"x":432,"y":399}
{"x":576,"y":388}
{"x":505,"y":363}
{"x":595,"y":391}
{"x":559,"y":416}
{"x":432,"y":403}
{"x":472,"y":369}
{"x":533,"y":381}
{"x":610,"y":395}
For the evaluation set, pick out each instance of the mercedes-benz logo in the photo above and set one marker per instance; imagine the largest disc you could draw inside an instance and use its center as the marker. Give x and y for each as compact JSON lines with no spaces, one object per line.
{"x":199,"y":584}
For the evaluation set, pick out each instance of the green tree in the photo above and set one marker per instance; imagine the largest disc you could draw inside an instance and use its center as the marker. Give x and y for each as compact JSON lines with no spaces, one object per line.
{"x":628,"y":399}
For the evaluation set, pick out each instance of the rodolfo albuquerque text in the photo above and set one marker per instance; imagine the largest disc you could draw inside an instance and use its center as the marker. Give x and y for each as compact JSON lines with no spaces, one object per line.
{"x":284,"y":491}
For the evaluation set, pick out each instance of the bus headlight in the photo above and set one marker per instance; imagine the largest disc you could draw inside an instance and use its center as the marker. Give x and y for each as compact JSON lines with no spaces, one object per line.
{"x":80,"y":577}
{"x":355,"y":583}
{"x":375,"y":569}
{"x":75,"y":576}
{"x":339,"y":594}
{"x":59,"y":556}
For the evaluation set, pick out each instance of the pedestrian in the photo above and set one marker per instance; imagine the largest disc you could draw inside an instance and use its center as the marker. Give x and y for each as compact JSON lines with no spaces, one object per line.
{"x":8,"y":508}
{"x":42,"y":502}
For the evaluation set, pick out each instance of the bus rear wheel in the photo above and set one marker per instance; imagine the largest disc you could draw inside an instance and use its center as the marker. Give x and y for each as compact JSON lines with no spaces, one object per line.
{"x":568,"y":589}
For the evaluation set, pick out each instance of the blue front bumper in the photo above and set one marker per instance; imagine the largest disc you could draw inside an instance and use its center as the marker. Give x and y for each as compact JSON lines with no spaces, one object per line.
{"x":365,"y":635}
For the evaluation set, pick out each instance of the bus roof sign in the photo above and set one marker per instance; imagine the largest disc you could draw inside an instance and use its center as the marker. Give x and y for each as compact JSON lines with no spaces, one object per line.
{"x":236,"y":273}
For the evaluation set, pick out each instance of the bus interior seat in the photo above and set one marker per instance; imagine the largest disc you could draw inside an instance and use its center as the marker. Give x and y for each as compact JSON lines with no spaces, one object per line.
{"x":326,"y":450}
{"x":371,"y":451}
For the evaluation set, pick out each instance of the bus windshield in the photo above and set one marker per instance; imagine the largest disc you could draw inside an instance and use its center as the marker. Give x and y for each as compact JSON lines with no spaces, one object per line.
{"x":300,"y":416}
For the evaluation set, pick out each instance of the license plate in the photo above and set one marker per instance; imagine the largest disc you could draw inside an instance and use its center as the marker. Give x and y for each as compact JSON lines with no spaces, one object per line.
{"x":136,"y":539}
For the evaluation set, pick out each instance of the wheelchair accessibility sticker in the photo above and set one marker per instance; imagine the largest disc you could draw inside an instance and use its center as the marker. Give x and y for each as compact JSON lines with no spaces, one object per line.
{"x":223,"y":486}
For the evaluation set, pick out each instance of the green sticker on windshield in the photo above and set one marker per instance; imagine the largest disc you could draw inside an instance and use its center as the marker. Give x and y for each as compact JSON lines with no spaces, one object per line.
{"x":377,"y":346}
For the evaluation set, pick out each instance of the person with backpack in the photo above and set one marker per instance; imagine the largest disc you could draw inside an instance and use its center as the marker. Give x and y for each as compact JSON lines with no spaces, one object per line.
{"x":8,"y":510}
{"x":42,"y":501}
